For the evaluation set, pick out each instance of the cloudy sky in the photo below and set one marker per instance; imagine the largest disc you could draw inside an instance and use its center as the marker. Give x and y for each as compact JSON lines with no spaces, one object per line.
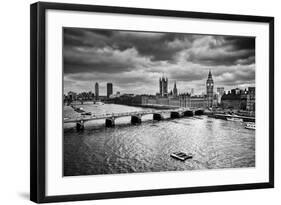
{"x":134,"y":61}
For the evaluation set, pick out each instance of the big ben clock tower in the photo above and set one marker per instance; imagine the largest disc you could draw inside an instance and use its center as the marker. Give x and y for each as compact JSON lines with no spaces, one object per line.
{"x":210,"y":90}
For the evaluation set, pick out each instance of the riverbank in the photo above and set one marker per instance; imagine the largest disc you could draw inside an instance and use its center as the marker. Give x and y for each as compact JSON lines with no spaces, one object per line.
{"x":155,"y":106}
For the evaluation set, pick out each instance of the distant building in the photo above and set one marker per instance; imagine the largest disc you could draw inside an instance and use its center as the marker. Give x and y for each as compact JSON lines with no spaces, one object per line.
{"x":220,"y":91}
{"x":237,"y":91}
{"x":210,"y":90}
{"x":163,"y":86}
{"x":198,"y":102}
{"x":71,"y":96}
{"x":195,"y":101}
{"x":243,"y":97}
{"x":192,"y":91}
{"x":174,"y":101}
{"x":251,"y":99}
{"x":175,"y":90}
{"x":109,"y":89}
{"x":235,"y":99}
{"x":231,"y":100}
{"x":97,"y":91}
{"x":182,"y":100}
{"x":215,"y":100}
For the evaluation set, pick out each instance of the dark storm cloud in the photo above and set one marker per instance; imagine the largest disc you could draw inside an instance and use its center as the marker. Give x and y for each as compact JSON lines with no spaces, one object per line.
{"x":91,"y":61}
{"x":239,"y":43}
{"x":138,"y":59}
{"x":223,"y":50}
{"x":156,"y":46}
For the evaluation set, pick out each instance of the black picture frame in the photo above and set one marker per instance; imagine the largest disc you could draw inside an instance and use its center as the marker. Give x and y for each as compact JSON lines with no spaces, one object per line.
{"x":38,"y":100}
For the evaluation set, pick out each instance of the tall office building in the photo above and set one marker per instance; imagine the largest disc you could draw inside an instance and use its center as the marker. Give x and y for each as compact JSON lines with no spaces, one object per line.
{"x":210,"y":89}
{"x":163,"y":85}
{"x":175,"y":90}
{"x":97,"y":91}
{"x":109,"y":89}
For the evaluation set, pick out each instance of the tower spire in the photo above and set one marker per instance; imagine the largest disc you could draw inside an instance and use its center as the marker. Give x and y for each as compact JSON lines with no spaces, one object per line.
{"x":210,"y":74}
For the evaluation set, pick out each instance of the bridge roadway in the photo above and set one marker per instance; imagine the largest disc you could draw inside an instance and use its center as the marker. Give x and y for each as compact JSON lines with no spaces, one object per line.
{"x":135,"y":116}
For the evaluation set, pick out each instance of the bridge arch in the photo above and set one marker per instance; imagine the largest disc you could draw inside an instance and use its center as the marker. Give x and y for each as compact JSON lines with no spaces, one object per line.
{"x":157,"y":116}
{"x":135,"y":119}
{"x":175,"y":114}
{"x":199,"y":112}
{"x":188,"y":113}
{"x":80,"y":125}
{"x":109,"y":122}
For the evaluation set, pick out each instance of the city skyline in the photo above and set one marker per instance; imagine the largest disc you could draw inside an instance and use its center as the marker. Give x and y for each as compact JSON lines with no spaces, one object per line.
{"x":134,"y":61}
{"x":220,"y":91}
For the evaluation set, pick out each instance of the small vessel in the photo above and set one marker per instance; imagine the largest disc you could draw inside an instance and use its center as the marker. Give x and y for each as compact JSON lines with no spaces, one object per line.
{"x":250,"y":126}
{"x":234,"y":119}
{"x":181,"y":156}
{"x":78,"y":109}
{"x":86,"y":113}
{"x":98,"y":103}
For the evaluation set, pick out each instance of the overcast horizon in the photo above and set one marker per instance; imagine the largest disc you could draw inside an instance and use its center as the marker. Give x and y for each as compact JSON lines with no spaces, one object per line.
{"x":134,"y":61}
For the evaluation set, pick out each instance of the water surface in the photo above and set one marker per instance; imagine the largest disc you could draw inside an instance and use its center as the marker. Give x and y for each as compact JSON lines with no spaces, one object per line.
{"x":215,"y":143}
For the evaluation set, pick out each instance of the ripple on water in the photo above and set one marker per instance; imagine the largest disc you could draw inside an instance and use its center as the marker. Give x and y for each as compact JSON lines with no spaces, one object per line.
{"x":147,"y":147}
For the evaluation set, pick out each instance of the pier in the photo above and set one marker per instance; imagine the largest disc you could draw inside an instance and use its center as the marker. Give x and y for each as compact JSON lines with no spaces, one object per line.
{"x":224,"y":116}
{"x":135,"y":116}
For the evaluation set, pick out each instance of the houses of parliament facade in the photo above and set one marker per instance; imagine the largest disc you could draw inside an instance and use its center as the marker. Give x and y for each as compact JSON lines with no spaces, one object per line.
{"x":173,"y":98}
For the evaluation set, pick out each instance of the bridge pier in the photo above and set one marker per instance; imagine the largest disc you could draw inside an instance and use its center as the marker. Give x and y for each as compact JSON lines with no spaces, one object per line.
{"x":199,"y":112}
{"x":157,"y":116}
{"x":175,"y":114}
{"x":109,"y":122}
{"x":80,"y":125}
{"x":135,"y":119}
{"x":188,"y":113}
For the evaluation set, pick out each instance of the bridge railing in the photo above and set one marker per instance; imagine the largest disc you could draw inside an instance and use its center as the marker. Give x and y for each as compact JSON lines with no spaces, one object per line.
{"x":112,"y":115}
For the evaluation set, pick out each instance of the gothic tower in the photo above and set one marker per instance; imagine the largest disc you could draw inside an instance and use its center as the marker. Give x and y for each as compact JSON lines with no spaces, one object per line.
{"x":210,"y":90}
{"x":165,"y":86}
{"x":160,"y":87}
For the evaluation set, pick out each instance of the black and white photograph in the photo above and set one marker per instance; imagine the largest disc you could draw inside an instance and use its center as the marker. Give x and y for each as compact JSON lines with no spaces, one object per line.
{"x":144,"y":101}
{"x":129,"y":101}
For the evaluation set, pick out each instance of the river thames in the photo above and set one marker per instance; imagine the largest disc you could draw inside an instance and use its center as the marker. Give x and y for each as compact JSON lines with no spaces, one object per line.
{"x":126,"y":148}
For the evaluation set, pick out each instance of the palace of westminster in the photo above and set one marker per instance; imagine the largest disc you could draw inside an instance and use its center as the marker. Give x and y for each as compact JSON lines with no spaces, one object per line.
{"x":234,"y":99}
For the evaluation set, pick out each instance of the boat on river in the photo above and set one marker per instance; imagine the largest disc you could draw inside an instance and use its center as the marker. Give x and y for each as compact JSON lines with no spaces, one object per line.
{"x":234,"y":118}
{"x":78,"y":109}
{"x":98,"y":103}
{"x":86,"y":113}
{"x":250,"y":126}
{"x":181,"y":156}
